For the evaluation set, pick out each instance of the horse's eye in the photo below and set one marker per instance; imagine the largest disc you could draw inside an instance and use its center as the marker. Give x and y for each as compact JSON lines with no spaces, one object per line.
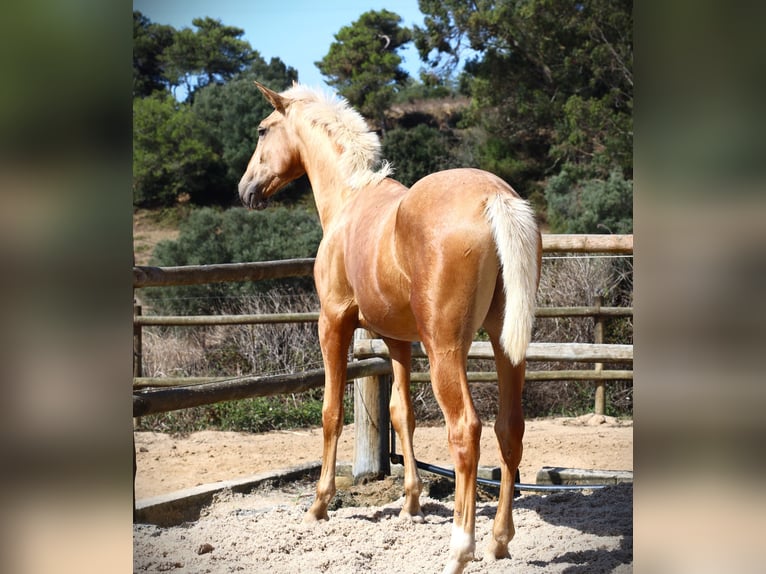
{"x":261,"y":131}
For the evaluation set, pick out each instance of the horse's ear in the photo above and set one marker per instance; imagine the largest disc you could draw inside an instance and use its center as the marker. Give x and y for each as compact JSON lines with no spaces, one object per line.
{"x":274,"y":98}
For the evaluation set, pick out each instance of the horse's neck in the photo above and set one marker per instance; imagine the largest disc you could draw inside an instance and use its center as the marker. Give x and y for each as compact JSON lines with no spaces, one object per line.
{"x":330,"y":186}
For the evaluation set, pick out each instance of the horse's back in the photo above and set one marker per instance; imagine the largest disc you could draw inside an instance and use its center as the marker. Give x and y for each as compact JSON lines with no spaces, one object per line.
{"x":448,"y":206}
{"x":466,"y":184}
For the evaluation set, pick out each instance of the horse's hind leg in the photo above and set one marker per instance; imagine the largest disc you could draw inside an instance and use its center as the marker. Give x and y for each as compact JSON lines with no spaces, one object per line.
{"x":509,"y":428}
{"x":335,"y":335}
{"x":403,"y":419}
{"x":450,"y":385}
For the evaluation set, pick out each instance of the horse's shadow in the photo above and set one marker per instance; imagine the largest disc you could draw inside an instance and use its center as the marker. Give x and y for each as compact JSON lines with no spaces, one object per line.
{"x":606,"y":512}
{"x":603,"y":512}
{"x":436,"y":513}
{"x":584,"y":561}
{"x":378,"y":515}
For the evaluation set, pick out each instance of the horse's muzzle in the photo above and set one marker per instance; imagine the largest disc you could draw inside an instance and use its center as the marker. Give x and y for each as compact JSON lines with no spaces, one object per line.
{"x":252,"y":197}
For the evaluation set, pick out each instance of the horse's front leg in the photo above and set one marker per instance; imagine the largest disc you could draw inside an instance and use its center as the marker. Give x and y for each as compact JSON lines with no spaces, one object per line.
{"x":334,"y":338}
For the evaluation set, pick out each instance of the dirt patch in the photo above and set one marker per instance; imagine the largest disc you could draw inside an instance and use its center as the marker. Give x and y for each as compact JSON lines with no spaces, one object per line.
{"x":263,"y":531}
{"x":147,"y":233}
{"x":167,"y":463}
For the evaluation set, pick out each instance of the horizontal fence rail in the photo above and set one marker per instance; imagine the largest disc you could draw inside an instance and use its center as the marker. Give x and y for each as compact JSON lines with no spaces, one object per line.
{"x":473,"y":377}
{"x":146,"y":276}
{"x":312,"y":317}
{"x":197,"y":320}
{"x":593,"y":311}
{"x":218,"y":390}
{"x":573,"y":352}
{"x":618,"y":244}
{"x":222,"y":273}
{"x":560,"y":375}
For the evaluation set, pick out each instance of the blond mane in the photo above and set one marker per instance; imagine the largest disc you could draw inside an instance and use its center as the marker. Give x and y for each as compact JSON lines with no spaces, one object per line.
{"x":360,"y":147}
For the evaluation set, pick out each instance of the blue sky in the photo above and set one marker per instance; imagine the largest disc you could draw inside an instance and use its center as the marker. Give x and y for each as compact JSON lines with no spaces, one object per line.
{"x":299,"y":32}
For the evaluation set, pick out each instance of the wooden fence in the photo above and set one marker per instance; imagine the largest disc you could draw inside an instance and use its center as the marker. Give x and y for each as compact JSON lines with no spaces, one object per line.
{"x":153,"y":395}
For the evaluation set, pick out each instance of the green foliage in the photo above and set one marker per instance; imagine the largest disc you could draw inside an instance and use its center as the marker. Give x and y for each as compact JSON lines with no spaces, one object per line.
{"x":197,"y":150}
{"x":261,"y":414}
{"x":171,"y":155}
{"x":416,"y":152}
{"x":501,"y":156}
{"x":550,"y":81}
{"x":591,"y":136}
{"x":551,"y":78}
{"x":149,"y":43}
{"x":590,"y":206}
{"x":275,"y":413}
{"x":165,"y":58}
{"x":363,"y":65}
{"x":210,"y":236}
{"x":429,"y":87}
{"x":232,"y":112}
{"x":213,"y":53}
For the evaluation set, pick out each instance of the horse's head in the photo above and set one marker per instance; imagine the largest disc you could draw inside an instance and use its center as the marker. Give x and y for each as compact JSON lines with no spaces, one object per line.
{"x":276,"y":160}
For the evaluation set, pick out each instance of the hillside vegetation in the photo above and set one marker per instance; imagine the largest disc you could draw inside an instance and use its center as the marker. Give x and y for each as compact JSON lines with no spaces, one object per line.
{"x":545,"y":102}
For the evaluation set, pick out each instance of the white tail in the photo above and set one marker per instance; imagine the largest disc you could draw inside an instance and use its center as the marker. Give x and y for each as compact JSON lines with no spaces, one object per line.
{"x":516,"y":238}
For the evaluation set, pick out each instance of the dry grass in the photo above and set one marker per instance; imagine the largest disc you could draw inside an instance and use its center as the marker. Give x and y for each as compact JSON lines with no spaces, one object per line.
{"x":577,"y":281}
{"x":149,"y":228}
{"x":233,"y":350}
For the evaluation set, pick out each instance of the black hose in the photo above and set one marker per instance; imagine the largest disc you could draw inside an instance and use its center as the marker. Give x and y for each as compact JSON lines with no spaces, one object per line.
{"x":517,"y":486}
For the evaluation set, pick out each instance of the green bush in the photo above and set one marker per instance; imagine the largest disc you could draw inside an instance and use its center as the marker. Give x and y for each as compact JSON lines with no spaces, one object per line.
{"x":211,"y":236}
{"x":263,"y":414}
{"x":416,"y":152}
{"x":590,"y":206}
{"x":260,"y":414}
{"x":171,"y":156}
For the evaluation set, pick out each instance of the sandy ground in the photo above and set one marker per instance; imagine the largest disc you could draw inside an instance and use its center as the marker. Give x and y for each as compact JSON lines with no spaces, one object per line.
{"x":167,"y":463}
{"x":572,"y":533}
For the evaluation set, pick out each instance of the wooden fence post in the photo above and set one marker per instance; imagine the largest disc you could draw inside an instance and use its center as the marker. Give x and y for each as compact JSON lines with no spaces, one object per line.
{"x":137,"y":372}
{"x":137,"y":343}
{"x":371,"y":424}
{"x":598,"y":336}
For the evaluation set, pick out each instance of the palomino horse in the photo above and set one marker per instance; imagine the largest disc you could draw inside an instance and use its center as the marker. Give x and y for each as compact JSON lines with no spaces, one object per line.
{"x":458,"y":251}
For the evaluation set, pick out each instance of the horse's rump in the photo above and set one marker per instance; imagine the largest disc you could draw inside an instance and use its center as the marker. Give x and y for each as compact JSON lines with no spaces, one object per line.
{"x":467,"y":211}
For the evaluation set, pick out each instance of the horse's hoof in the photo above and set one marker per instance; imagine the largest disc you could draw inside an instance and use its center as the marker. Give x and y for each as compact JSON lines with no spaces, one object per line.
{"x":454,"y":567}
{"x":496,"y":551}
{"x":313,"y":516}
{"x":417,"y":518}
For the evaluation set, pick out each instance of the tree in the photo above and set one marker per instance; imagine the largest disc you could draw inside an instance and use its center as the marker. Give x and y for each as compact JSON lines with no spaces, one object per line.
{"x":149,"y":43}
{"x":164,"y":57}
{"x":196,"y":150}
{"x":213,"y":53}
{"x":552,"y":79}
{"x":416,"y":152}
{"x":363,"y":65}
{"x":170,"y":153}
